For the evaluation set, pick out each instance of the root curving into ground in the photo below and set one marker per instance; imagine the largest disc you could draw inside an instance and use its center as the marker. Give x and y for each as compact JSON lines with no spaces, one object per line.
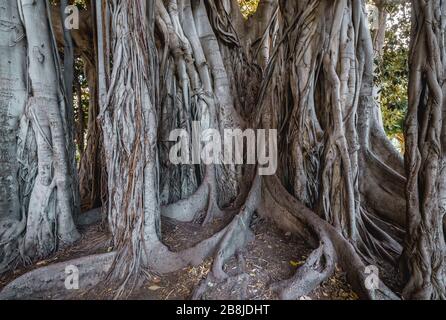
{"x":270,"y":201}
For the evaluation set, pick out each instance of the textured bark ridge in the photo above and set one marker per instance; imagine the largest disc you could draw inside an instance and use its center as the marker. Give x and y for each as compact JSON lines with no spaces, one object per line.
{"x":425,"y":157}
{"x":302,"y":67}
{"x":324,"y":84}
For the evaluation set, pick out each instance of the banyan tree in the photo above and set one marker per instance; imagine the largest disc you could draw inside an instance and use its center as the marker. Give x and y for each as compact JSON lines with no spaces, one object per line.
{"x":303,"y":69}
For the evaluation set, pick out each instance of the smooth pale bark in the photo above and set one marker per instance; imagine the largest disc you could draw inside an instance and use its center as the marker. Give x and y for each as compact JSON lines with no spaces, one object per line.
{"x":379,"y":27}
{"x":13,"y":94}
{"x":12,"y":104}
{"x":47,"y":107}
{"x":46,"y":191}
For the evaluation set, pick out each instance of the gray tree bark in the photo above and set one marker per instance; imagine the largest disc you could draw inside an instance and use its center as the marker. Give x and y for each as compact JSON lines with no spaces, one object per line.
{"x":42,"y":177}
{"x":425,"y":249}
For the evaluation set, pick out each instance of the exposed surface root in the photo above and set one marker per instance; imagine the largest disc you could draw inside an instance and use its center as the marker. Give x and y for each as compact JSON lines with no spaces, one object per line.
{"x":236,"y":237}
{"x":161,"y":260}
{"x":272,"y":257}
{"x":240,"y":234}
{"x":273,"y":202}
{"x":94,"y":242}
{"x":283,"y":208}
{"x":202,"y":206}
{"x":49,"y":282}
{"x":237,"y":285}
{"x":189,"y":209}
{"x":318,"y":268}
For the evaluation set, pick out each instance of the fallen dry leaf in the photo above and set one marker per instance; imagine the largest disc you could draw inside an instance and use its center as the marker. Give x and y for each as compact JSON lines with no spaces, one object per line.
{"x":154,"y":288}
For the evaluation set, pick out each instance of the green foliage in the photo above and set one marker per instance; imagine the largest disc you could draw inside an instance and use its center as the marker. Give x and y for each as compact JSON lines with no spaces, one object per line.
{"x":393,"y":70}
{"x":81,"y":107}
{"x":248,"y":7}
{"x":81,"y":4}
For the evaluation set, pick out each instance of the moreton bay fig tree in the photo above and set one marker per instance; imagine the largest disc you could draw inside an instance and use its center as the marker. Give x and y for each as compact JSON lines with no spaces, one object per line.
{"x":165,"y":78}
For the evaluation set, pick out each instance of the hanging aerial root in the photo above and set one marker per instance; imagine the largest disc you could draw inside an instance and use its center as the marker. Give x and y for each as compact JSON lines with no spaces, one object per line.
{"x":376,"y":242}
{"x":334,"y":249}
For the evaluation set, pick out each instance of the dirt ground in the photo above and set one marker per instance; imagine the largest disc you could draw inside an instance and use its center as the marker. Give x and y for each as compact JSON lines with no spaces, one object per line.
{"x":272,"y":256}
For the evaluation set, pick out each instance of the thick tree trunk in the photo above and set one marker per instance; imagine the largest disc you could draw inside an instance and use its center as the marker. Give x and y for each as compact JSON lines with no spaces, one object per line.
{"x":46,"y":108}
{"x":426,"y":153}
{"x":321,"y":77}
{"x":46,"y":191}
{"x":13,"y":96}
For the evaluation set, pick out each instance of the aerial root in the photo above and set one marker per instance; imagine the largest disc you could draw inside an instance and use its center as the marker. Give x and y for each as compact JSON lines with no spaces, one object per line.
{"x":376,"y":242}
{"x":202,"y":206}
{"x":213,"y":210}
